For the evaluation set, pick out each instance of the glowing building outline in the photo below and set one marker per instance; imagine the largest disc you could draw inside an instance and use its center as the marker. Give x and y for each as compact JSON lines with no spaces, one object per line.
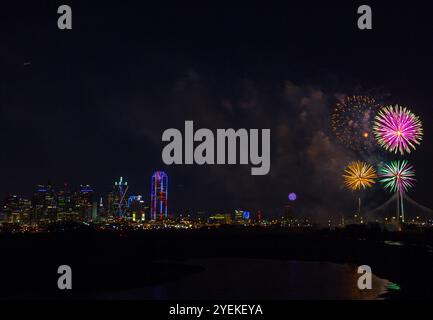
{"x":120,"y":188}
{"x":134,"y":198}
{"x":159,"y":195}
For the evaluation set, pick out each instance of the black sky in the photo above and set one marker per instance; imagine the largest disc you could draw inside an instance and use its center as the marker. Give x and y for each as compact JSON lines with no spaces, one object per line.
{"x":90,"y":104}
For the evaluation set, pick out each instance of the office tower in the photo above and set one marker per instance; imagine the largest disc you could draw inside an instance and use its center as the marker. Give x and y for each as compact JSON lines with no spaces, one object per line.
{"x":137,"y":208}
{"x":65,"y":204}
{"x":16,"y":209}
{"x":116,"y":199}
{"x":83,"y":201}
{"x":94,"y":211}
{"x":44,"y":204}
{"x":159,"y":195}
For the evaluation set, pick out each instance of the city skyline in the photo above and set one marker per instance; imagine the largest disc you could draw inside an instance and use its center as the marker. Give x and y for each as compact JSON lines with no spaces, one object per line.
{"x":85,"y":203}
{"x":82,"y":200}
{"x":203,"y":157}
{"x":90,"y":116}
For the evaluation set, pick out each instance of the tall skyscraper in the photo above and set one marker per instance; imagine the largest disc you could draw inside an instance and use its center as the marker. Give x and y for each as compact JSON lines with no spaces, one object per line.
{"x":66,"y":204}
{"x":83,"y":201}
{"x":64,"y":200}
{"x":116,"y":199}
{"x":45,"y":203}
{"x":94,"y":211}
{"x":136,"y":208}
{"x":159,"y":196}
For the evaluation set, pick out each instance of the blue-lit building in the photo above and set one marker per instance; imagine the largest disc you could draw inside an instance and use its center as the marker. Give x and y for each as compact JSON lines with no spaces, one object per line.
{"x":116,"y":199}
{"x":159,"y":196}
{"x":136,"y":208}
{"x":242,"y":216}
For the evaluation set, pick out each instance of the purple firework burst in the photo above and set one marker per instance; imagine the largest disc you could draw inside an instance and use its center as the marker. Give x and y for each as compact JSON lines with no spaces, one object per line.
{"x":397,"y":129}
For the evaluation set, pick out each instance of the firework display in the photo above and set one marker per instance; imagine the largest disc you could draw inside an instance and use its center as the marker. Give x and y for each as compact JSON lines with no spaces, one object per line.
{"x":397,"y":129}
{"x":359,"y":175}
{"x":397,"y":176}
{"x":351,"y":121}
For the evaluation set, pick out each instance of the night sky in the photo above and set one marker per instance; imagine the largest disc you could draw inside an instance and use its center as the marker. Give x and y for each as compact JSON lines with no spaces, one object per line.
{"x":90,"y":104}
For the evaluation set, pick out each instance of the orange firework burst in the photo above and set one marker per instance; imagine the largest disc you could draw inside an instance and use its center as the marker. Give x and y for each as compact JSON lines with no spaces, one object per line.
{"x":359,"y":175}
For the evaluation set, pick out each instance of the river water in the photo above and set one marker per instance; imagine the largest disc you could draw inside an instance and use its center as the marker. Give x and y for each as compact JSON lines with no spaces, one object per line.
{"x":260,"y":279}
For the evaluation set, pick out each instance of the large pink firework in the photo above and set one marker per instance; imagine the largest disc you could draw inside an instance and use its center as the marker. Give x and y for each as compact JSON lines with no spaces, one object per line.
{"x":397,"y":129}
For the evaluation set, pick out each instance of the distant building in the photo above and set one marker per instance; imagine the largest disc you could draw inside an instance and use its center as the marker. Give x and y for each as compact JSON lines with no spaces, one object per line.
{"x":242,"y":216}
{"x":221,"y":218}
{"x":84,"y":201}
{"x":17,"y":209}
{"x":137,"y":208}
{"x":66,"y":210}
{"x":117,"y":198}
{"x":159,"y":195}
{"x":110,"y":210}
{"x":94,"y":211}
{"x":201,"y":215}
{"x":64,"y":200}
{"x":45,"y":204}
{"x":259,"y":215}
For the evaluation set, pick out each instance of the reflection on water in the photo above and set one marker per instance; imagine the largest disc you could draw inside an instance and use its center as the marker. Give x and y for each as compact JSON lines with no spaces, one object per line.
{"x":261,"y":279}
{"x":394,"y":243}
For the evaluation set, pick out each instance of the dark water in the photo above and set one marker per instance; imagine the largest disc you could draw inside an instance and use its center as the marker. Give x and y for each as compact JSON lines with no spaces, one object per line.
{"x":260,"y":279}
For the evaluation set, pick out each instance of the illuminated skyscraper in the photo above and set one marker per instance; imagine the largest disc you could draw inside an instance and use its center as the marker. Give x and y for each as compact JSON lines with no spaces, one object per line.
{"x":66,"y":210}
{"x":241,"y":216}
{"x":116,"y":199}
{"x":94,"y":211}
{"x":83,"y":201}
{"x":136,"y":208}
{"x":159,"y":195}
{"x":45,"y":203}
{"x":64,"y":200}
{"x":17,"y":209}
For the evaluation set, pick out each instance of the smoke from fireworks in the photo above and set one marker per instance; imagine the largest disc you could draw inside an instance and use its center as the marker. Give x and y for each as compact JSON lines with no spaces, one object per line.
{"x":397,"y":176}
{"x":359,"y":175}
{"x":397,"y":129}
{"x":351,"y":122}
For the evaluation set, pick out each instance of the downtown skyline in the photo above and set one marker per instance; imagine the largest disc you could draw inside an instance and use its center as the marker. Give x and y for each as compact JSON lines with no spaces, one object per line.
{"x":203,"y":157}
{"x":86,"y":116}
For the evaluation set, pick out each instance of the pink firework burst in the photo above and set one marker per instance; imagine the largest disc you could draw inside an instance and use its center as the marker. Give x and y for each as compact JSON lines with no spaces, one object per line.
{"x":397,"y":129}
